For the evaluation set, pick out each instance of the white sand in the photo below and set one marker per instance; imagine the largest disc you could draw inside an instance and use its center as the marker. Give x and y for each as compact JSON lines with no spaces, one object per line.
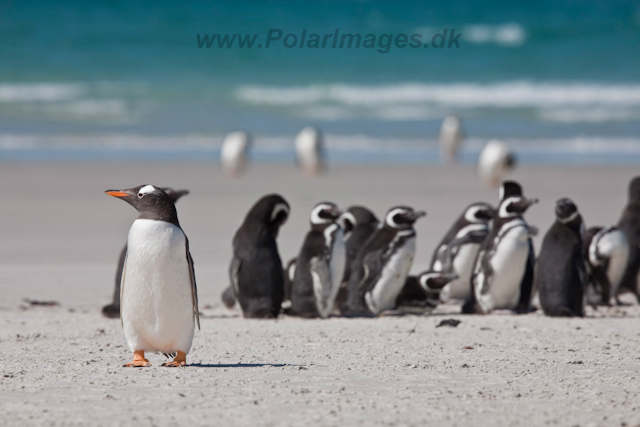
{"x":62,"y":365}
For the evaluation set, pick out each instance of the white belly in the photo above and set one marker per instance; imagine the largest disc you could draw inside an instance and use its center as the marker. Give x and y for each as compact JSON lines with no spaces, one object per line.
{"x":157,"y":306}
{"x":462,"y":266}
{"x":336,"y":266}
{"x":508,"y":264}
{"x":394,"y":275}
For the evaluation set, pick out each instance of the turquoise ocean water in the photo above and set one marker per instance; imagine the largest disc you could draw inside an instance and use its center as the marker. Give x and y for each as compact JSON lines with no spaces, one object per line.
{"x":126,"y":79}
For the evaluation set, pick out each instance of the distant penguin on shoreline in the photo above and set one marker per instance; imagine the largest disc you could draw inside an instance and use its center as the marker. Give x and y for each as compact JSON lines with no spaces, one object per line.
{"x":451,"y":136}
{"x":495,"y":163}
{"x":561,"y":271}
{"x":113,"y":310}
{"x":310,"y":156}
{"x":234,"y":153}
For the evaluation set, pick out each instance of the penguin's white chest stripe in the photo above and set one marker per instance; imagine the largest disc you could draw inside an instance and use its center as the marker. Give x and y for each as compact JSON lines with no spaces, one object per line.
{"x":157,"y":310}
{"x":394,"y":274}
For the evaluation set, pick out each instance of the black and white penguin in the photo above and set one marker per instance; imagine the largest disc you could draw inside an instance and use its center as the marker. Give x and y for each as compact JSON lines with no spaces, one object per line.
{"x":359,"y":224}
{"x":256,"y":268}
{"x":451,"y":136}
{"x":630,"y":225}
{"x":503,"y":273}
{"x":113,"y":310}
{"x":381,"y":267}
{"x":233,"y":153}
{"x":561,"y":271}
{"x":320,"y":264}
{"x":159,"y":298}
{"x":310,"y":156}
{"x":496,"y":161}
{"x":606,"y":250}
{"x":422,"y":292}
{"x":456,"y":253}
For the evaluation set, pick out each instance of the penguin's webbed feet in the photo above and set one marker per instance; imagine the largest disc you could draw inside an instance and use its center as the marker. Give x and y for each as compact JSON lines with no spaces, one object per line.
{"x":179,"y":361}
{"x":138,"y":360}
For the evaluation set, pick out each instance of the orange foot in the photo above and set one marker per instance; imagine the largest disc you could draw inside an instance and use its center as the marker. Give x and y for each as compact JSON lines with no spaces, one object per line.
{"x":138,"y":360}
{"x":179,"y":361}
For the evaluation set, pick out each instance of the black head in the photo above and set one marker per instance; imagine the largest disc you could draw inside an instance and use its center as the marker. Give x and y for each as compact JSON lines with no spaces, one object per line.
{"x":402,"y":217}
{"x":479,"y":213}
{"x":513,"y":206}
{"x":323,"y":214}
{"x":567,"y":212}
{"x":355,"y":216}
{"x":634,"y":189}
{"x":509,"y":189}
{"x":150,"y":201}
{"x":174,"y":195}
{"x":271,"y":210}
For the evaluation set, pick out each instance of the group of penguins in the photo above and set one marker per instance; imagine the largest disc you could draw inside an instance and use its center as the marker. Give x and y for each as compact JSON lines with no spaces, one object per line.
{"x":352,"y":264}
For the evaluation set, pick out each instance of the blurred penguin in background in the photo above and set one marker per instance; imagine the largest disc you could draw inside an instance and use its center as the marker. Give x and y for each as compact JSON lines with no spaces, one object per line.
{"x":451,"y":136}
{"x":495,"y":163}
{"x":630,"y":225}
{"x":233,"y":153}
{"x":310,"y":151}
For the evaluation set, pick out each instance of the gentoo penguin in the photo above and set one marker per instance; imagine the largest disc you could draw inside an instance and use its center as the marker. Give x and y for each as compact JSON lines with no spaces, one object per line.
{"x":450,"y":137}
{"x":423,"y":291}
{"x":457,"y":251}
{"x":381,"y":267}
{"x":113,"y":310}
{"x":233,"y":153}
{"x":320,"y":264}
{"x":495,"y":162}
{"x":503,"y":273}
{"x":630,"y":225}
{"x":606,"y":250}
{"x":310,"y":151}
{"x":256,"y":269}
{"x":159,"y":298}
{"x":359,"y":224}
{"x":560,"y":271}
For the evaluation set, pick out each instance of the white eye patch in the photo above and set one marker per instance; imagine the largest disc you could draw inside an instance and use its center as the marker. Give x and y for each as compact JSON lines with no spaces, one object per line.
{"x":146,"y":190}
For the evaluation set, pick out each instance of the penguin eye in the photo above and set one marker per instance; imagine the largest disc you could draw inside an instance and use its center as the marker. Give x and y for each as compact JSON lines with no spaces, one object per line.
{"x":140,"y":195}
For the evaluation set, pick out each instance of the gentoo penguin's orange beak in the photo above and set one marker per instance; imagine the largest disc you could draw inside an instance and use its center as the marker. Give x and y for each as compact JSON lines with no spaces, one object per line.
{"x":116,"y":193}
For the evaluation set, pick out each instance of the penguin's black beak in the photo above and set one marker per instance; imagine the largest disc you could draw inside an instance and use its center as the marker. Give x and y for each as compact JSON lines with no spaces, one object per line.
{"x":118,"y":193}
{"x":485,"y":213}
{"x":417,"y":214}
{"x":335,"y":213}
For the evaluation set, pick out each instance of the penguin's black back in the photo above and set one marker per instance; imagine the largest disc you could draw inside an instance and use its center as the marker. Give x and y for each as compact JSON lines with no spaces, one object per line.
{"x":630,"y":225}
{"x":256,"y":262}
{"x":560,"y":272}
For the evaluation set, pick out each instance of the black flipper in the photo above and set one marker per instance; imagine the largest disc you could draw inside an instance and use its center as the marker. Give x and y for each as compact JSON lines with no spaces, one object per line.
{"x":526,"y":286}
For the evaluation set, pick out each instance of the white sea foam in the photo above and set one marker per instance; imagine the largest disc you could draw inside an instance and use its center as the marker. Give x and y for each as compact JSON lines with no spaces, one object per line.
{"x":510,"y":34}
{"x":553,"y":101}
{"x":39,"y":92}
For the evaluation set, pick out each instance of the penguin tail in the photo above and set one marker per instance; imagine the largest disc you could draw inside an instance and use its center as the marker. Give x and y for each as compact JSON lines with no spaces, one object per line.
{"x":228,"y":297}
{"x":112,"y":311}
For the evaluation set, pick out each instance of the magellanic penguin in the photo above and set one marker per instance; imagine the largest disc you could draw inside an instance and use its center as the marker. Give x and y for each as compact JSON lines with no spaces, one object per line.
{"x":381,"y":267}
{"x":421,"y":293}
{"x":320,"y":264}
{"x":256,"y":268}
{"x":310,"y":151}
{"x":630,"y":225}
{"x":606,"y":250}
{"x":456,"y":253}
{"x":159,"y":298}
{"x":561,"y":271}
{"x":450,"y":137}
{"x":113,"y":310}
{"x":495,"y":162}
{"x":503,"y":273}
{"x":233,"y":153}
{"x":359,"y":224}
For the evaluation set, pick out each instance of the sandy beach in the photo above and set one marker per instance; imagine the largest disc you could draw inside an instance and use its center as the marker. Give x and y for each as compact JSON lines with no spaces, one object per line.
{"x":61,"y":365}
